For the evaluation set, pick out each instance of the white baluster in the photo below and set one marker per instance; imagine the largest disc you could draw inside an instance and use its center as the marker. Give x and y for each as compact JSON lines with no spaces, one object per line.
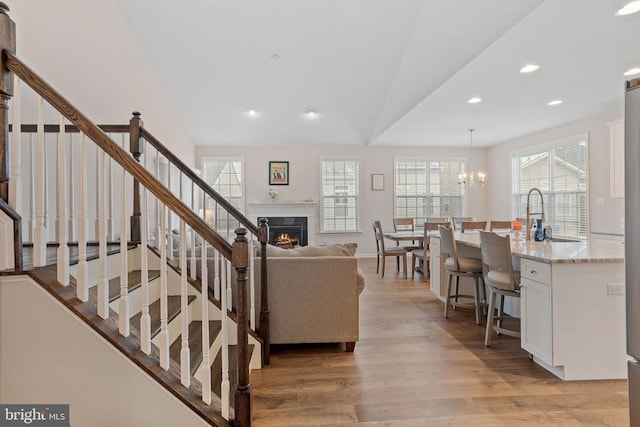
{"x":15,"y":184}
{"x":103,"y":282}
{"x":123,"y":307}
{"x":216,"y":278}
{"x":170,"y":214}
{"x":32,"y":198}
{"x":98,"y":195}
{"x":40,"y":231}
{"x":206,"y":377}
{"x":164,"y":311}
{"x":83,"y":223}
{"x":110,"y":222}
{"x":71,"y":177}
{"x":252,"y":284}
{"x":63,"y":248}
{"x":228,"y":281}
{"x":225,"y":387}
{"x":145,"y":319}
{"x":185,"y":368}
{"x":193,"y":236}
{"x":159,"y":229}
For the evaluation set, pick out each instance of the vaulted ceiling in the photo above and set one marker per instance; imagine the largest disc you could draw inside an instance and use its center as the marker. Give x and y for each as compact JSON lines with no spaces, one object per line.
{"x":381,"y":72}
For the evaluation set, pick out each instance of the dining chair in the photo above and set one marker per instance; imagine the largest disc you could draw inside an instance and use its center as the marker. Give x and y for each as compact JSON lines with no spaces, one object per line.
{"x":382,"y":252}
{"x":457,"y":221}
{"x":473,"y":225}
{"x":460,"y":267}
{"x":501,"y":279}
{"x":499,"y":225}
{"x":423,"y":254}
{"x":404,"y":224}
{"x":438,"y":219}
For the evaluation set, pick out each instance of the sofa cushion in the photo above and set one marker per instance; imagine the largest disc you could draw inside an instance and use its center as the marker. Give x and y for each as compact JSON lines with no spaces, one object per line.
{"x":346,"y":249}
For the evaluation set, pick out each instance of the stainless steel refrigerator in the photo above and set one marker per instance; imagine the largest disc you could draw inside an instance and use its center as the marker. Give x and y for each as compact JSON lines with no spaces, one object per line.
{"x":632,"y":241}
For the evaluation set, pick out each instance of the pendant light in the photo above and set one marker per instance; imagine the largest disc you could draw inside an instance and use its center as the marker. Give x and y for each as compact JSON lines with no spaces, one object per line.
{"x":472,"y":180}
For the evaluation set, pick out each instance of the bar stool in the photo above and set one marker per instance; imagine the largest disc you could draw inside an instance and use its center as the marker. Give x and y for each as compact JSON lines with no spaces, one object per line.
{"x":500,"y":277}
{"x":460,"y":267}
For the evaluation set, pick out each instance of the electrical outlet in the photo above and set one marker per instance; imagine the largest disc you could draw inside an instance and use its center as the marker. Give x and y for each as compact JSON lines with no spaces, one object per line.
{"x":615,"y":288}
{"x":600,"y":201}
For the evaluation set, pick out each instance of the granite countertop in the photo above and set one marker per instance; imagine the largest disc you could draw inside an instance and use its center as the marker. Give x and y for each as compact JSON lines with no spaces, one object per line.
{"x":556,"y":252}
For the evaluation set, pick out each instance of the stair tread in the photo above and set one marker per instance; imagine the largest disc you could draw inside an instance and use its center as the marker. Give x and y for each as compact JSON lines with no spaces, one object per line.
{"x":173,"y":309}
{"x":195,"y":342}
{"x":216,"y":371}
{"x":134,"y":282}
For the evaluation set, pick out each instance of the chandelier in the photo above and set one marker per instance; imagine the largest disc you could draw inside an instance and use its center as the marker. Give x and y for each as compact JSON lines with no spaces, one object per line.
{"x":471,"y":180}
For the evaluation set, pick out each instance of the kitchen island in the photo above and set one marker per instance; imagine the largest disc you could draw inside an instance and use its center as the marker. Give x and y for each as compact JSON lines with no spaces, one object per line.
{"x":572,"y":304}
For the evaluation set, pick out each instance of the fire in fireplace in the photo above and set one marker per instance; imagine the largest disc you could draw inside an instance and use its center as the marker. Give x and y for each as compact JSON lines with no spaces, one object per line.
{"x":288,"y":231}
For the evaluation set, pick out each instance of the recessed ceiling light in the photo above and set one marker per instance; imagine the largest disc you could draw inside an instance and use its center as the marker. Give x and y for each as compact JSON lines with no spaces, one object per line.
{"x":529,"y":68}
{"x":474,"y":100}
{"x":311,"y":113}
{"x":632,"y":71}
{"x":554,"y":102}
{"x":275,"y":57}
{"x":252,"y":113}
{"x":629,"y":8}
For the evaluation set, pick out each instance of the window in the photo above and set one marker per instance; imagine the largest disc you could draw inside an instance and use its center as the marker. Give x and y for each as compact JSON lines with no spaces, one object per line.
{"x":560,"y":172}
{"x":428,"y":187}
{"x":224,"y":175}
{"x":340,"y":189}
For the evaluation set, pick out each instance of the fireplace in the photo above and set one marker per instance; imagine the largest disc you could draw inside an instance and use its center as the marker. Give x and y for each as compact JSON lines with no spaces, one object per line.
{"x":288,"y":231}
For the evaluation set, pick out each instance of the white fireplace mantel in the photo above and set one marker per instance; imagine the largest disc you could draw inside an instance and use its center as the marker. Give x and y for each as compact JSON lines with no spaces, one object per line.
{"x":259,"y":209}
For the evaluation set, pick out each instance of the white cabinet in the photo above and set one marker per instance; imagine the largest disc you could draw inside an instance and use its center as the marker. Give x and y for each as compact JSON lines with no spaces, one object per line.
{"x":535,"y":300}
{"x":536,"y":333}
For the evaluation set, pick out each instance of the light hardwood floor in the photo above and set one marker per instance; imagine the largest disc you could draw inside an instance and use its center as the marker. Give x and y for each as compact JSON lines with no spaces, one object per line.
{"x":412,"y":367}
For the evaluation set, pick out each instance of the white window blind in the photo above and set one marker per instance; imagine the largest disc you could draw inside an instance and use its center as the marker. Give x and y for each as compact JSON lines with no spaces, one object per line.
{"x":428,"y":188}
{"x":340,"y":189}
{"x":561,"y":174}
{"x":224,"y":175}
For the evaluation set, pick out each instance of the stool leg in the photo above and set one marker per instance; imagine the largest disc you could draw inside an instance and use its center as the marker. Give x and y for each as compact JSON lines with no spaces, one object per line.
{"x":455,"y":295}
{"x":476,"y":295}
{"x":500,"y":312}
{"x":489,"y":330}
{"x":448,"y":299}
{"x":413,"y":266}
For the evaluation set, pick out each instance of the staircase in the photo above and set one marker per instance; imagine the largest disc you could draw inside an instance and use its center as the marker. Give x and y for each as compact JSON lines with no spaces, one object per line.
{"x":128,"y":229}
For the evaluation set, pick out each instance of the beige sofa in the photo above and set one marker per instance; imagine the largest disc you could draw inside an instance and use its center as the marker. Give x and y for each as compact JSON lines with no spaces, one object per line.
{"x":313,"y":294}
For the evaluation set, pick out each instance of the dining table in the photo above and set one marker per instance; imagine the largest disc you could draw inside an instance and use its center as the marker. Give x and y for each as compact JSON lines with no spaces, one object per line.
{"x":400,"y":236}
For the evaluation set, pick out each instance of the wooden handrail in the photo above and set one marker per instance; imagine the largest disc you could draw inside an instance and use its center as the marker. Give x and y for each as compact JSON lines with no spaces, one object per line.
{"x":186,"y":170}
{"x":123,"y":158}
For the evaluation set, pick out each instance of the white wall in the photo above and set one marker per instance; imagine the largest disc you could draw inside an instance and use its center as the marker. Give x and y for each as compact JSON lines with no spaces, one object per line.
{"x":602,"y":219}
{"x":304,"y":180}
{"x":87,"y":52}
{"x":49,"y":356}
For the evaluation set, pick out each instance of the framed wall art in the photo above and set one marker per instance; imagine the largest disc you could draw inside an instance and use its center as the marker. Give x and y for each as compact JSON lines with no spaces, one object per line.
{"x":377,"y":181}
{"x":278,"y":173}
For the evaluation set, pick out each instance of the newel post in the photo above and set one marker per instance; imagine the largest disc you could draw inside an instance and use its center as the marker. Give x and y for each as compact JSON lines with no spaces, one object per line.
{"x":7,"y":42}
{"x":263,"y":237}
{"x":136,"y":147}
{"x":240,"y":261}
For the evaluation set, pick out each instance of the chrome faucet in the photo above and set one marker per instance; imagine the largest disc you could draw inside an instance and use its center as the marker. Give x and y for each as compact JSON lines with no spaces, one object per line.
{"x":529,"y":213}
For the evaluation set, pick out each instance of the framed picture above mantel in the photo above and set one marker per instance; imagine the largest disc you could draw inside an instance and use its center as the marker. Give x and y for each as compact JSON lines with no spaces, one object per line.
{"x":278,"y":173}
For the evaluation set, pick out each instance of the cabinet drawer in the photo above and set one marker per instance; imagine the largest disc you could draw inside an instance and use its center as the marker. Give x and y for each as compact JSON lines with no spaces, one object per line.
{"x":535,"y":270}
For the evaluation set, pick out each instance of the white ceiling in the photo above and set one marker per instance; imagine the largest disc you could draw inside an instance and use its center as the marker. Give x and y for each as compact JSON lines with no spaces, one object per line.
{"x":382,"y":72}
